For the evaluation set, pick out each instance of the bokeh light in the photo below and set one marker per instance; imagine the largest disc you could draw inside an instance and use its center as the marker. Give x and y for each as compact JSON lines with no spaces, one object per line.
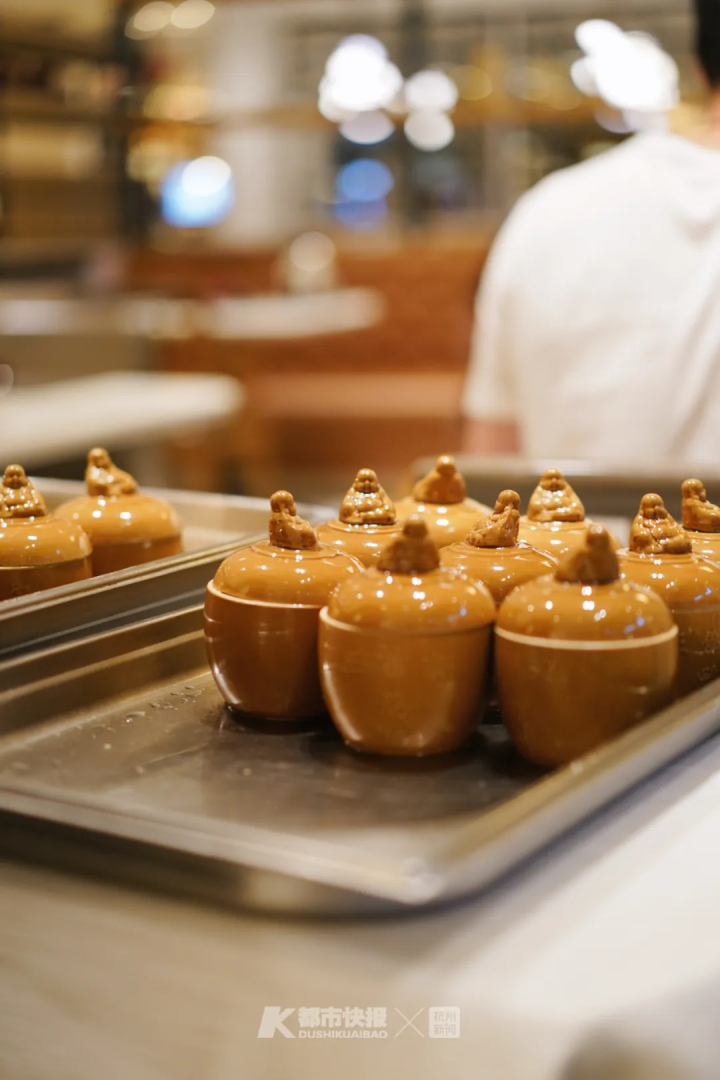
{"x":311,"y":252}
{"x":364,"y":180}
{"x":192,"y":14}
{"x":473,"y":83}
{"x":431,"y":90}
{"x":359,"y":77}
{"x":150,"y":19}
{"x":429,"y":131}
{"x":368,"y":128}
{"x":629,"y":71}
{"x":197,"y":193}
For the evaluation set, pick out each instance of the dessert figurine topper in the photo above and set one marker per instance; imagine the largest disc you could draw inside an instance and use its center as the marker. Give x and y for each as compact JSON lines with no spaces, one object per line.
{"x":20,"y":498}
{"x":655,"y":532}
{"x":287,"y":529}
{"x":499,"y":529}
{"x":555,"y":500}
{"x":103,"y":477}
{"x":412,"y":553}
{"x":443,"y":485}
{"x":367,"y":502}
{"x":698,"y":514}
{"x":594,"y":564}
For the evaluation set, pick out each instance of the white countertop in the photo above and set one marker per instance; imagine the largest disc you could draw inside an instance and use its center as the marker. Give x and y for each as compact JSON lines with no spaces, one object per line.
{"x":274,"y":316}
{"x":607,"y":929}
{"x":125,"y":409}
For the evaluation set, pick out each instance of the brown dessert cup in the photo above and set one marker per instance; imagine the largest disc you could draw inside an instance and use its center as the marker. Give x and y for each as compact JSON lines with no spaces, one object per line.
{"x":582,"y":656}
{"x":403,"y":652}
{"x":261,"y":617}
{"x":660,"y":556}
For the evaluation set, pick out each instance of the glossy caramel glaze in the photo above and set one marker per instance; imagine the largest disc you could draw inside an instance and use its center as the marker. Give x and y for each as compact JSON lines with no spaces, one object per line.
{"x":581,"y":656}
{"x":500,"y":569}
{"x":556,"y":538}
{"x":492,"y":555}
{"x":439,"y":499}
{"x":367,"y":521}
{"x":263,"y":656}
{"x":281,"y":576}
{"x":125,"y":526}
{"x":261,"y":617}
{"x":403,"y":694}
{"x":412,"y":593}
{"x":690,"y":586}
{"x":705,"y":543}
{"x":37,"y":550}
{"x":403,"y":652}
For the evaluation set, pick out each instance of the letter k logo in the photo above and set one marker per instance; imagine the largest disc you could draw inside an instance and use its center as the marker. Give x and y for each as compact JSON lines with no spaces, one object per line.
{"x":273,"y":1019}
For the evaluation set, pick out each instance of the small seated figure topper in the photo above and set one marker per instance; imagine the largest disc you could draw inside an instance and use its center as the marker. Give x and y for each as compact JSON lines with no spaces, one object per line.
{"x":287,"y":529}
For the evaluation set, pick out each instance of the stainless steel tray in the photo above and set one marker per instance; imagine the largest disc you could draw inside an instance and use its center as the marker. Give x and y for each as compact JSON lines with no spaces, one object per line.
{"x":606,"y":491}
{"x":214,"y":526}
{"x":117,"y":757}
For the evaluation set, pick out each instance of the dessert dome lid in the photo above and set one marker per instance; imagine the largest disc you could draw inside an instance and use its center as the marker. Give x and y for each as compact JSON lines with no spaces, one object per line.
{"x":29,"y":535}
{"x":114,"y":510}
{"x":409,"y":591}
{"x":584,"y":600}
{"x":698,"y":513}
{"x":290,"y":567}
{"x":554,"y":500}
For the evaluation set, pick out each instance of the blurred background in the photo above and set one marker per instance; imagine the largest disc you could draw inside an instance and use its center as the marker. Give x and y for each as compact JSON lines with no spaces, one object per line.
{"x":240,"y":240}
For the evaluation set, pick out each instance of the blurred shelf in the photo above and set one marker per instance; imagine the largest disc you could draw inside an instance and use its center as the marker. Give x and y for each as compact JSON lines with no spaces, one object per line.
{"x":27,"y":105}
{"x":41,"y":178}
{"x":496,"y":109}
{"x":53,"y":45}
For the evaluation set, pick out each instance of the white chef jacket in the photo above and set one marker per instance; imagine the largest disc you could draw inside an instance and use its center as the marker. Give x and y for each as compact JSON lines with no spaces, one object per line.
{"x":598,"y":318}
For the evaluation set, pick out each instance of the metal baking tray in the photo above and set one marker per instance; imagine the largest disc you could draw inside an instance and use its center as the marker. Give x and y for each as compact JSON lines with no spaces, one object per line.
{"x":606,"y":491}
{"x":213,"y":527}
{"x":117,"y":757}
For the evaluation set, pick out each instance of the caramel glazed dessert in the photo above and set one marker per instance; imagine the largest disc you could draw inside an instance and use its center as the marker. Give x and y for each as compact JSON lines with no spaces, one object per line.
{"x":38,"y":550}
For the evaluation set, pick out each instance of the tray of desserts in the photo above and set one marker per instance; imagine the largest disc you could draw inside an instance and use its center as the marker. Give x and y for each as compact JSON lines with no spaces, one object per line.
{"x":78,"y":557}
{"x":608,"y":490}
{"x":384,"y":713}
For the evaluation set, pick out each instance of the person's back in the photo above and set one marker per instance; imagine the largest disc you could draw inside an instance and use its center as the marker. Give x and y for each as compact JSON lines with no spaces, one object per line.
{"x":599,"y":318}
